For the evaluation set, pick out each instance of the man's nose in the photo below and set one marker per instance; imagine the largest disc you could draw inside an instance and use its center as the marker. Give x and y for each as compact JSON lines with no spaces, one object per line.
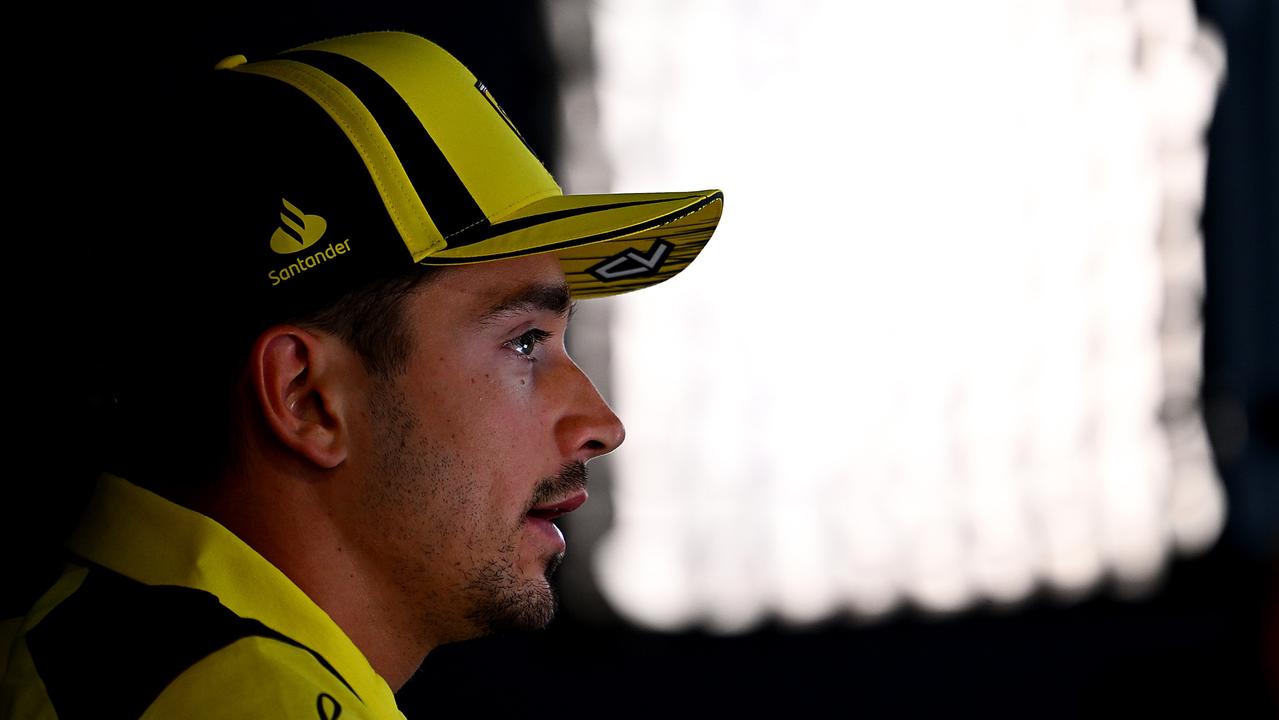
{"x":590,"y":428}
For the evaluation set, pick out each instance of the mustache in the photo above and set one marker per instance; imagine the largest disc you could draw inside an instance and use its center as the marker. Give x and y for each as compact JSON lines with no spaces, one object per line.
{"x":569,"y":480}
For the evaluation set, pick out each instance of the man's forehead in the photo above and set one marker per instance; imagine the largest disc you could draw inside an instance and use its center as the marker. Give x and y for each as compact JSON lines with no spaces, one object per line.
{"x":487,"y":292}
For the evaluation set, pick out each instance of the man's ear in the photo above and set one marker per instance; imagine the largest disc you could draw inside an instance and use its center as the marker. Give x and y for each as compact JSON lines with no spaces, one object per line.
{"x":303,"y":382}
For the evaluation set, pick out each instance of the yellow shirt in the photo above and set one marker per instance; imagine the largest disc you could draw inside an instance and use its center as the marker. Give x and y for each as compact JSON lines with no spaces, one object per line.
{"x":167,"y":614}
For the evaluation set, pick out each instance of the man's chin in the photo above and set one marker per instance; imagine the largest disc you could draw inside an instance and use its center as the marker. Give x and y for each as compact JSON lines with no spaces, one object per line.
{"x":503,"y":604}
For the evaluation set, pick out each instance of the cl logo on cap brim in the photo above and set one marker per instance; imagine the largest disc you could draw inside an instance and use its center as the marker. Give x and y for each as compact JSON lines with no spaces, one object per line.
{"x":632,"y":263}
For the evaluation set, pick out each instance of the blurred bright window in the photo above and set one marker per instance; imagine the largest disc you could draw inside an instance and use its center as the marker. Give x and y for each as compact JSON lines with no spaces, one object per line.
{"x":944,"y":347}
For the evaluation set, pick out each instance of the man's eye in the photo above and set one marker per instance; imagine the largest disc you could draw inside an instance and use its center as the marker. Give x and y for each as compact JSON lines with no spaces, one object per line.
{"x":527,"y":343}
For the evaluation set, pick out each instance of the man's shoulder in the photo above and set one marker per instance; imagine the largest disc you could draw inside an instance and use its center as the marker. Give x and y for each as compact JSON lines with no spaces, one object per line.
{"x":257,"y":676}
{"x":125,"y":648}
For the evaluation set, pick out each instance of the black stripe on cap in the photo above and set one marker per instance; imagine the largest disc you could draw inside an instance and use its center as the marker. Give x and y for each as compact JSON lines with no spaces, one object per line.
{"x":441,"y":191}
{"x":475,"y":235}
{"x":696,"y":229}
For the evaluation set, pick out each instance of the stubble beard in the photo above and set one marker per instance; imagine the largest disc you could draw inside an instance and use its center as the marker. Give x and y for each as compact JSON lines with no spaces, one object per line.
{"x":498,"y":599}
{"x":502,"y":601}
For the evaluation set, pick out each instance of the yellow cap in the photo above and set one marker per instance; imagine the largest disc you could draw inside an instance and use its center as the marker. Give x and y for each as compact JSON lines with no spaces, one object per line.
{"x":458,"y":181}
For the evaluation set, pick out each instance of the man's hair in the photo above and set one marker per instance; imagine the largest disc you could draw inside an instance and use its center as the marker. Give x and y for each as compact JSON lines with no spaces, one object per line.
{"x":371,"y":319}
{"x":174,"y":424}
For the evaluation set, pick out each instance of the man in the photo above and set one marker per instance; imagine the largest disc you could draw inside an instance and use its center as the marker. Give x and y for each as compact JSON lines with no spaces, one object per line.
{"x":352,"y":446}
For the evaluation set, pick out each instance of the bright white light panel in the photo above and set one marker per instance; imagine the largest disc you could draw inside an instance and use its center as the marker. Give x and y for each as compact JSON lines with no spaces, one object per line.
{"x":943,"y":347}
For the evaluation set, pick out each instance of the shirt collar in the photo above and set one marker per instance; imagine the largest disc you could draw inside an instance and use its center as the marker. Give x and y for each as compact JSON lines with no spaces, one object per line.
{"x":142,"y":535}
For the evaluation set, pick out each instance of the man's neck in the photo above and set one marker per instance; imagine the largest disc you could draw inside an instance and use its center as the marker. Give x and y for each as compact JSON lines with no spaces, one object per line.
{"x":293,"y":526}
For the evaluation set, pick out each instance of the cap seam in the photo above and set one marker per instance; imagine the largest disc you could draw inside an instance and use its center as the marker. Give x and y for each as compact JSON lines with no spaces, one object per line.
{"x":504,"y":211}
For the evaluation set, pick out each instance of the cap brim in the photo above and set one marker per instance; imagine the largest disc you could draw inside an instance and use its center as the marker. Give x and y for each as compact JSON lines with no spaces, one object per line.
{"x":607,"y":244}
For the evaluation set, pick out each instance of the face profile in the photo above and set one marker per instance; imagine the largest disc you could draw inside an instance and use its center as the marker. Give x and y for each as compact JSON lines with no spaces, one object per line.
{"x":479,"y":444}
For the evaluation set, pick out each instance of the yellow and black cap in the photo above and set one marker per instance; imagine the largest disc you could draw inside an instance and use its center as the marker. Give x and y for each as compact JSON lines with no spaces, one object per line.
{"x":366,"y":152}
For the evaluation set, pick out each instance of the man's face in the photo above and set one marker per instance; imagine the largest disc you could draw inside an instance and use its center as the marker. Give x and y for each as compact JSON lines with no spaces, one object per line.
{"x":476,"y":445}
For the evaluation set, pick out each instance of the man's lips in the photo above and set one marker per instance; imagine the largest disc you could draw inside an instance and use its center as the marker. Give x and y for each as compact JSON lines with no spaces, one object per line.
{"x":554,"y":509}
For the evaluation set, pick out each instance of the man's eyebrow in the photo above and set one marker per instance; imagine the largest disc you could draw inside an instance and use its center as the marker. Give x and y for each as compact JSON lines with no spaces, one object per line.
{"x":549,"y":297}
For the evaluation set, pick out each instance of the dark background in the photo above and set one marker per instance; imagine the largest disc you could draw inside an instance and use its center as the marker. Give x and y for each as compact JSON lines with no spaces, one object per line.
{"x":1206,"y":642}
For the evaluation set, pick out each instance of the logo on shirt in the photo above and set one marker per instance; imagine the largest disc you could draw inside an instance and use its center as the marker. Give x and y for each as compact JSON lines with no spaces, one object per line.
{"x":327,"y":707}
